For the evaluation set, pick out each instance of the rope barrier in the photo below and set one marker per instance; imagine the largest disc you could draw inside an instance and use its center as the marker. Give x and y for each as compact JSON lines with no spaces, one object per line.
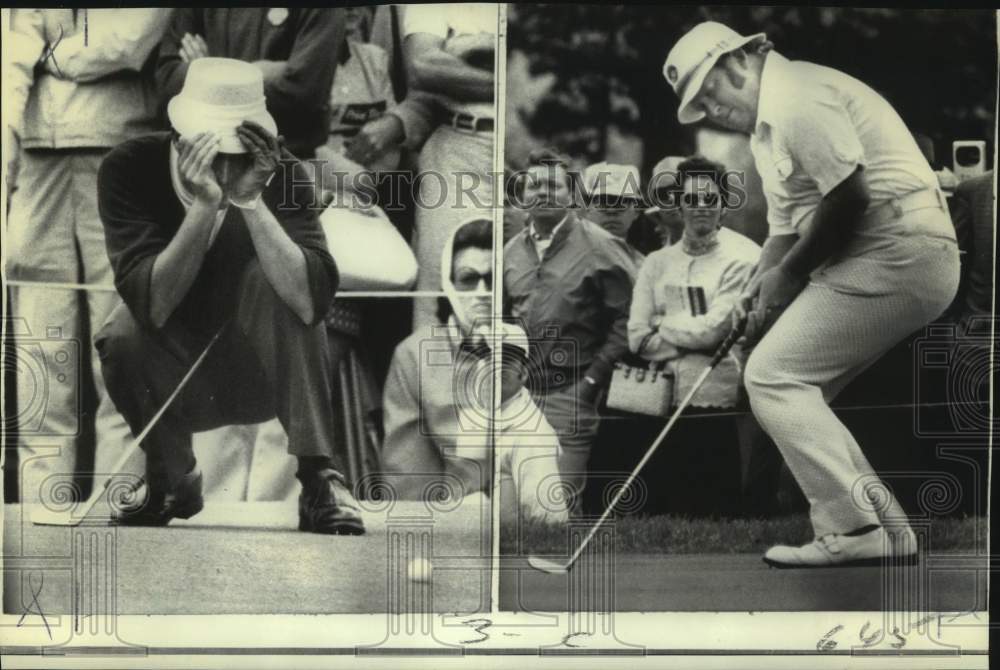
{"x":845,"y":408}
{"x":71,"y":286}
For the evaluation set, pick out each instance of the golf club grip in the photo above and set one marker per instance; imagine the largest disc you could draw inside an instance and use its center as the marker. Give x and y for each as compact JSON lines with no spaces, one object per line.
{"x":728,"y":343}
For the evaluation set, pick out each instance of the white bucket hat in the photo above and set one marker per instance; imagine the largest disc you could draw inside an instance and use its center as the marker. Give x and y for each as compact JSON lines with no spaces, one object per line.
{"x":612,"y":179}
{"x":689,"y":62}
{"x":218,"y":95}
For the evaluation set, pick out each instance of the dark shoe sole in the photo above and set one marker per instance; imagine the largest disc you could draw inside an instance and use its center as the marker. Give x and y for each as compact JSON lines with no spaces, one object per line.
{"x":140,"y":519}
{"x":894,"y":561}
{"x":341,"y":528}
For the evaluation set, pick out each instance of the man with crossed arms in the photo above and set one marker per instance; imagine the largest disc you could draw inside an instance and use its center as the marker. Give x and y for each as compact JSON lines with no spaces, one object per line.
{"x":861,"y":253}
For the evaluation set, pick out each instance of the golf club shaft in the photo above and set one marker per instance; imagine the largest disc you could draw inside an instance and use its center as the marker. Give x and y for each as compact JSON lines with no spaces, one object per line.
{"x":720,"y":353}
{"x":127,"y":454}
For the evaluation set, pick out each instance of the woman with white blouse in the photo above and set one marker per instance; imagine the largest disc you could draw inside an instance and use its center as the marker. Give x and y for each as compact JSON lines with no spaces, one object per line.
{"x":680,"y":313}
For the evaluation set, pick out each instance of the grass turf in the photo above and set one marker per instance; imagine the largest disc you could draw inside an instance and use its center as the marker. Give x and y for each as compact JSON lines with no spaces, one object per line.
{"x":677,"y":535}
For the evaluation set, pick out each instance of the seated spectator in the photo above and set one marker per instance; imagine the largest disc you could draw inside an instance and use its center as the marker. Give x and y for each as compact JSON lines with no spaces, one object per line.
{"x":437,"y":401}
{"x":200,"y":248}
{"x":613,"y":199}
{"x":569,"y":283}
{"x":680,"y":313}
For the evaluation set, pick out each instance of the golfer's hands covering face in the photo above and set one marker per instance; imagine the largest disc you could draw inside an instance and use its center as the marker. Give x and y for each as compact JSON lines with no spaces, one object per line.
{"x":194,"y":161}
{"x":192,"y":47}
{"x":265,"y":152}
{"x":763,"y":301}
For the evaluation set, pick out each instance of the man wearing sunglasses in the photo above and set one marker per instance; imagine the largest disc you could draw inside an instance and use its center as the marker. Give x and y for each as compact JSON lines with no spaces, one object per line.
{"x":861,"y":253}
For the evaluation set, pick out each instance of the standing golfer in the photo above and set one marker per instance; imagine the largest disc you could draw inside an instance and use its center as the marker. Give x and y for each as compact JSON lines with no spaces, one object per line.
{"x":860,"y":254}
{"x":204,"y":232}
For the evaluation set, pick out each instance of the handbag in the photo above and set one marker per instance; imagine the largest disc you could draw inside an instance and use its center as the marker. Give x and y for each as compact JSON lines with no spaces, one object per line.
{"x":641,"y":390}
{"x":370,"y":253}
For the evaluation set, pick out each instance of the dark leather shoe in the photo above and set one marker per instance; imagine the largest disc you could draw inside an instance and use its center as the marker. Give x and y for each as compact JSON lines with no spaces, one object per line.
{"x":327,"y":506}
{"x":154,"y":505}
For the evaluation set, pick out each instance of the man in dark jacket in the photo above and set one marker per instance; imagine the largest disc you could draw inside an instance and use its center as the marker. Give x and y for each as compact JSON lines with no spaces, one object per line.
{"x":568,"y":283}
{"x":205,"y":234}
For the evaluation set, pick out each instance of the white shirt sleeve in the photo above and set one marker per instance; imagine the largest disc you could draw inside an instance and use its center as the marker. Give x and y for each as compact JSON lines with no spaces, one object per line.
{"x":818,"y":137}
{"x":26,"y":43}
{"x":116,"y":39}
{"x":430,"y":18}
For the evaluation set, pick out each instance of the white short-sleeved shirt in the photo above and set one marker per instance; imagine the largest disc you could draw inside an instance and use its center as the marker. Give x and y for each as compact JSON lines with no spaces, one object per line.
{"x":446,"y":21}
{"x":815,"y":127}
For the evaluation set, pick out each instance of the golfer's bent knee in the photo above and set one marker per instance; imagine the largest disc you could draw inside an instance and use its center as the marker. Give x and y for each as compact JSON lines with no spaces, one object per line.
{"x":758,"y":374}
{"x":120,"y":340}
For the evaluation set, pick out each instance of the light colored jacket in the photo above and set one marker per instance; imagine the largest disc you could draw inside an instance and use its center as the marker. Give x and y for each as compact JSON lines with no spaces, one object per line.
{"x":74,"y":78}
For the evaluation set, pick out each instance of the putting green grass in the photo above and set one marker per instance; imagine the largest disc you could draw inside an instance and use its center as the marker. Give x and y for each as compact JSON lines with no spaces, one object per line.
{"x":676,"y":535}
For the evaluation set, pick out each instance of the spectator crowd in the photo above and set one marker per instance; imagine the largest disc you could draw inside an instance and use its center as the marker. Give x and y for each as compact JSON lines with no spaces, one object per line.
{"x":607,"y":279}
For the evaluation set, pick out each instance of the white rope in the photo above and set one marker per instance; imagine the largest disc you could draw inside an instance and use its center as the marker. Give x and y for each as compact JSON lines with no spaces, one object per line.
{"x":71,"y":286}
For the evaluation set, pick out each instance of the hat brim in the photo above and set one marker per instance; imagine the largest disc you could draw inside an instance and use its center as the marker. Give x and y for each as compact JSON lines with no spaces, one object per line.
{"x":686,"y":112}
{"x":189,"y":118}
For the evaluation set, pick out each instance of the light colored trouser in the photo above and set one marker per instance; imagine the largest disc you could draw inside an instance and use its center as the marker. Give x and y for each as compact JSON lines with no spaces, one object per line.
{"x":576,"y":423}
{"x":55,"y":235}
{"x":464,"y":190}
{"x":825,"y":338}
{"x":248,"y":462}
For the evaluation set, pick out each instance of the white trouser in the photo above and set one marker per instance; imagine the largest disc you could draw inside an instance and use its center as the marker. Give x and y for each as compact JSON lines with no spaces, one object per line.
{"x":456,"y":185}
{"x":845,"y":319}
{"x":55,"y":235}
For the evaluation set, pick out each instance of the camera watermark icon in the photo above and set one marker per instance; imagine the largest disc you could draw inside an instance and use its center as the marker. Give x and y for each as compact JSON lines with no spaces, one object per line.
{"x":953,"y":373}
{"x":47,"y":371}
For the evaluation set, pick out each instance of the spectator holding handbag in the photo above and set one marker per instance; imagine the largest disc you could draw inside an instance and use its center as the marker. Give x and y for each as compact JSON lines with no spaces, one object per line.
{"x":679,"y":315}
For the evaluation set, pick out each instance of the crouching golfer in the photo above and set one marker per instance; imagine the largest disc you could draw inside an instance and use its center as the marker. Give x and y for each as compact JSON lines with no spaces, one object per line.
{"x":204,"y":231}
{"x":861,"y":253}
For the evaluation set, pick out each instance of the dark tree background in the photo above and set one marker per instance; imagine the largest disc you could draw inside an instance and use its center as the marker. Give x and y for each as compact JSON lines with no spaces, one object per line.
{"x":937,"y":67}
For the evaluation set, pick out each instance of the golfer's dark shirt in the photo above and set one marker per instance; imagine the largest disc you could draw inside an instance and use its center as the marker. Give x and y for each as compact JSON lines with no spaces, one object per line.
{"x":141,"y":214}
{"x":574,"y":304}
{"x":307,"y":40}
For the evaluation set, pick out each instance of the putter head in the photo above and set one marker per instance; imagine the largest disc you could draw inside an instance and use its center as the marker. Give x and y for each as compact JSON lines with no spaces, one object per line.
{"x":43,"y":516}
{"x":545,"y":565}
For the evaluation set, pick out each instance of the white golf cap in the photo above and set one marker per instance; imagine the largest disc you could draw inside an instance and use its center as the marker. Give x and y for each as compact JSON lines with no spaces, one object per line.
{"x":665,"y":172}
{"x":665,"y":176}
{"x":218,"y":95}
{"x":612,"y":179}
{"x":689,"y":62}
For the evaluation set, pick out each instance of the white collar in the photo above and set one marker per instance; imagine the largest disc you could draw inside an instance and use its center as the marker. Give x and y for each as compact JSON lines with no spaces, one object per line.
{"x":770,"y":96}
{"x":515,"y":409}
{"x":534,"y":231}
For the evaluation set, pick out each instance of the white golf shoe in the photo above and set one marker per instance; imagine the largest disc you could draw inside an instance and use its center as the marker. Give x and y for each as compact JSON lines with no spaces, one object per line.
{"x":833,"y":551}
